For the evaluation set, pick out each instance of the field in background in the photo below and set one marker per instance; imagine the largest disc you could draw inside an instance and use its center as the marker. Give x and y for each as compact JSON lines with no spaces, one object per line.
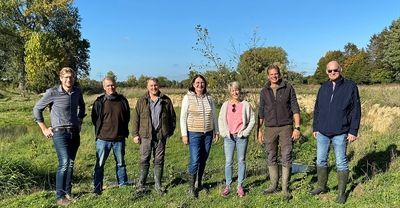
{"x":28,"y":161}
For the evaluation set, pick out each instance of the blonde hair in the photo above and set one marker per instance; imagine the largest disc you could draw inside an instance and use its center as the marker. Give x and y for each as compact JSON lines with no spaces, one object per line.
{"x":234,"y":85}
{"x":66,"y":70}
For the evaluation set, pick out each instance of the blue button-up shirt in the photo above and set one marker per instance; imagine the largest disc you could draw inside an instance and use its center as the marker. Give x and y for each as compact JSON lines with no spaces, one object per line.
{"x":66,"y":109}
{"x":155,"y":109}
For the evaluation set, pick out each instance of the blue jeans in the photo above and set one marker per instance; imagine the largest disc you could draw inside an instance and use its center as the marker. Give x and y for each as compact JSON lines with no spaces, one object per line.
{"x":66,"y":145}
{"x":339,"y":144}
{"x":229,"y":148}
{"x":199,"y":148}
{"x":103,"y":149}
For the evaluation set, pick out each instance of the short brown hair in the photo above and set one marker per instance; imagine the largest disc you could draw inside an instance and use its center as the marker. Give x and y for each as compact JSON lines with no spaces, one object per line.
{"x":273,"y":66}
{"x":152,"y":79}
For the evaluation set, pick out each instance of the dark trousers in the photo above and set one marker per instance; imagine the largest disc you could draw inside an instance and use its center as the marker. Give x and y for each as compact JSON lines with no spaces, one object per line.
{"x":153,"y":146}
{"x":66,"y":145}
{"x":282,"y":136}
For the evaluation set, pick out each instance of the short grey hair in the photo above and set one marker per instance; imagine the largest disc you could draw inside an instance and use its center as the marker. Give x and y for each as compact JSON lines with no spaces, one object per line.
{"x":110,"y":78}
{"x":152,"y":79}
{"x":234,"y":85}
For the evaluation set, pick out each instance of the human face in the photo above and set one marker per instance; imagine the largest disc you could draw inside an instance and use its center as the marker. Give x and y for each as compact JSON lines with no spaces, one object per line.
{"x":152,"y":87}
{"x":333,"y":70}
{"x":109,"y":87}
{"x":235,"y":93}
{"x":199,"y":85}
{"x":273,"y":76}
{"x":67,"y":80}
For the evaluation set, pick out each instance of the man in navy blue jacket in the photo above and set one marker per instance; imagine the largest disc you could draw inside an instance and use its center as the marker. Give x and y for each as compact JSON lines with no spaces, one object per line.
{"x":337,"y":114}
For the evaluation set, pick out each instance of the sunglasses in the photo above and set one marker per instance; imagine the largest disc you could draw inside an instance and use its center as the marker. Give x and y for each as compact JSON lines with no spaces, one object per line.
{"x":233,"y":107}
{"x":333,"y":70}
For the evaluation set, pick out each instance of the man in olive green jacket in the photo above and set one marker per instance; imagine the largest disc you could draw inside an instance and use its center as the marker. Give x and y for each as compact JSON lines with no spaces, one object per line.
{"x":154,"y":120}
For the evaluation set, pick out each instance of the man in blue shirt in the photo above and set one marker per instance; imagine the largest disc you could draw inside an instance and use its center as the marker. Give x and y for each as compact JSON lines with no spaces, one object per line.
{"x":337,"y":115}
{"x":67,"y":110}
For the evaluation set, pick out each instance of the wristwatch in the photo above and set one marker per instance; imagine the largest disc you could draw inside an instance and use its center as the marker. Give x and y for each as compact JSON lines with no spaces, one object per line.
{"x":297,"y":128}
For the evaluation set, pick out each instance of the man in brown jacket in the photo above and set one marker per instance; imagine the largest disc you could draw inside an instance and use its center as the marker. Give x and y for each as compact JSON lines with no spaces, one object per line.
{"x":154,"y":121}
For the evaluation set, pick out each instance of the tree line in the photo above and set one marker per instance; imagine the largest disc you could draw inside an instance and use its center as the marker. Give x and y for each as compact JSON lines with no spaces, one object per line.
{"x":37,"y":38}
{"x":378,"y":63}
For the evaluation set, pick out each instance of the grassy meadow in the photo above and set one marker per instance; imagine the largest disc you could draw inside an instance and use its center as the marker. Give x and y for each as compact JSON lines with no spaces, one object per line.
{"x":28,"y":161}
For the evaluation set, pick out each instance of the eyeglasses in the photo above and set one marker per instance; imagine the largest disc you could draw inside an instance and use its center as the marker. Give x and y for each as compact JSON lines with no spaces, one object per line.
{"x":332,"y":70}
{"x":233,"y":107}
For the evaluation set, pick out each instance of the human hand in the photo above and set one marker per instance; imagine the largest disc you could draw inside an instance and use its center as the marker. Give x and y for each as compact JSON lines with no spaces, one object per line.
{"x":137,"y":139}
{"x":185,"y":140}
{"x":260,"y":137}
{"x":48,"y":132}
{"x":315,"y":133}
{"x":351,"y":138}
{"x":216,"y":138}
{"x":295,"y":135}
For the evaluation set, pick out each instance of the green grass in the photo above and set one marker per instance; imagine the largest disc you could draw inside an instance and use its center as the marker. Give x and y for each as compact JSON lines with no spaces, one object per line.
{"x":28,"y":163}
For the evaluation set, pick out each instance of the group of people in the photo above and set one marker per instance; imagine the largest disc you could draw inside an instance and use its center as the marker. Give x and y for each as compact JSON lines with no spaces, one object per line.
{"x":337,"y":115}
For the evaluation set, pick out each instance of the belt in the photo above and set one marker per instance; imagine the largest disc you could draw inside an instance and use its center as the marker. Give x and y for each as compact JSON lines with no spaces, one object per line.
{"x":233,"y":135}
{"x":65,"y":129}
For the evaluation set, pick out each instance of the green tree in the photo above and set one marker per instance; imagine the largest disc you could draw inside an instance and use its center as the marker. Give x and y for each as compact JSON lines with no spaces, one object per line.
{"x":164,"y":82}
{"x":65,"y":24}
{"x":142,"y":81}
{"x":350,"y":49}
{"x":355,"y":65}
{"x":41,"y":64}
{"x":379,"y":74}
{"x":384,"y":54}
{"x":356,"y":68}
{"x":131,"y":81}
{"x":391,"y":53}
{"x":253,"y":62}
{"x":30,"y":22}
{"x":11,"y":54}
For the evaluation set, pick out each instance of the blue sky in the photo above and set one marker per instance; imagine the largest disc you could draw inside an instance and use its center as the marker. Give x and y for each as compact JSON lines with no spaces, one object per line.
{"x":155,"y":38}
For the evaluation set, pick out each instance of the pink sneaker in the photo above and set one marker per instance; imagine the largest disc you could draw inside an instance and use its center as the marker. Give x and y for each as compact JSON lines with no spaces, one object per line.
{"x":240,"y":192}
{"x":226,"y":191}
